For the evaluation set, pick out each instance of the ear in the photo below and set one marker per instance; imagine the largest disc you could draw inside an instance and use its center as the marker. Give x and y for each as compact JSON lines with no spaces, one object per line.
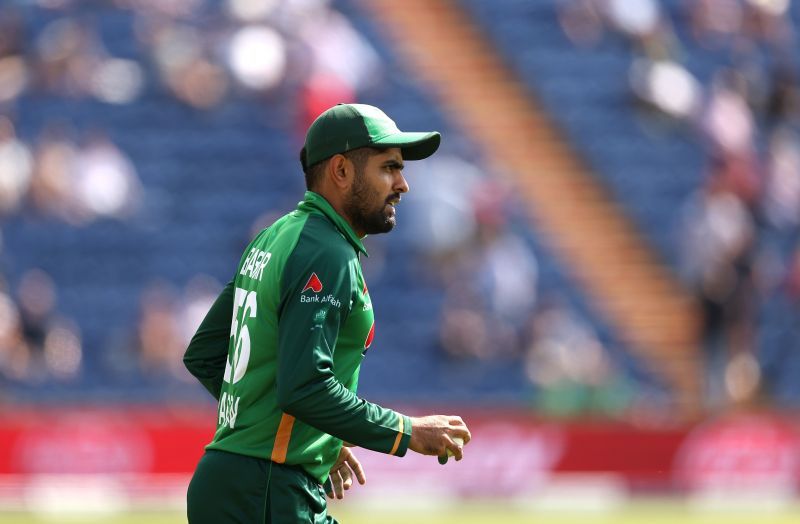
{"x":340,"y":171}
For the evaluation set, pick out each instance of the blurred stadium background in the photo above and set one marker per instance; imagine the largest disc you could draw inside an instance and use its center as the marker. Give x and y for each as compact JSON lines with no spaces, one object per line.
{"x":600,"y":269}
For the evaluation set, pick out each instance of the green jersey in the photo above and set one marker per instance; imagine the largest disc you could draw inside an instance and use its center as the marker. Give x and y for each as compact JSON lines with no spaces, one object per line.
{"x":282,"y":346}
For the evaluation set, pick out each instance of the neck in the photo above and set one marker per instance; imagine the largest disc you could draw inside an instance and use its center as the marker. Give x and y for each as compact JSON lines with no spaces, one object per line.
{"x":337,"y":202}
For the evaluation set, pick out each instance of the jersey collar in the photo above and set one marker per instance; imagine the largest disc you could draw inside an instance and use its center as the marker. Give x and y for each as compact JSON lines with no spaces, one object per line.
{"x":315,"y":201}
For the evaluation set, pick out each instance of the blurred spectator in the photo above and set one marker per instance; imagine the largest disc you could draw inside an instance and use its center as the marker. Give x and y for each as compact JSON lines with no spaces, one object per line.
{"x":767,"y":21}
{"x":37,"y":300}
{"x":52,"y":184}
{"x":12,"y":37}
{"x":730,"y":128}
{"x":327,"y":36}
{"x":15,"y":355}
{"x":80,"y":184}
{"x":16,"y":166}
{"x":718,"y":258}
{"x":490,"y":286}
{"x":13,"y":68}
{"x":63,"y":350}
{"x":167,"y":322}
{"x":644,"y":23}
{"x":441,"y":215}
{"x":181,"y":56}
{"x":53,"y":340}
{"x":582,"y":21}
{"x":252,"y":10}
{"x":634,"y":18}
{"x":508,"y":269}
{"x":106,"y":183}
{"x":116,"y":81}
{"x":330,"y":37}
{"x":458,"y":223}
{"x":743,"y":378}
{"x":319,"y":92}
{"x":200,"y":293}
{"x":70,"y":60}
{"x":715,"y":23}
{"x":67,"y":53}
{"x":665,"y":86}
{"x":466,"y":333}
{"x":13,"y":77}
{"x":200,"y":83}
{"x":160,"y":339}
{"x":257,"y":57}
{"x":571,"y":369}
{"x":783,"y":98}
{"x":728,"y":121}
{"x":782,"y":194}
{"x":37,"y":344}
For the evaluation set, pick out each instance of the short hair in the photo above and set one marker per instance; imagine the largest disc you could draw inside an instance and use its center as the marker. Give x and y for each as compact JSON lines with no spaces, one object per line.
{"x":314,"y":172}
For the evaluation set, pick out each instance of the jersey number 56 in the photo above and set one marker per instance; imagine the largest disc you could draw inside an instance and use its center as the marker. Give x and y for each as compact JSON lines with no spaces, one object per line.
{"x":236,"y":364}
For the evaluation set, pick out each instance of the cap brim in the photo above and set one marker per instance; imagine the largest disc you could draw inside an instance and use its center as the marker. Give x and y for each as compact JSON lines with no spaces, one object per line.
{"x":415,"y":146}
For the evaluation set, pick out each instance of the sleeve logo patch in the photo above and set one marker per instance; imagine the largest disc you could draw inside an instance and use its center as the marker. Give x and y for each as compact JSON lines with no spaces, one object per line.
{"x":314,"y":284}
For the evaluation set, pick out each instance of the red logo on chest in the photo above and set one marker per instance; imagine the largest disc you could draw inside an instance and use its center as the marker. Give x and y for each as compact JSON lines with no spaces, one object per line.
{"x":314,"y":284}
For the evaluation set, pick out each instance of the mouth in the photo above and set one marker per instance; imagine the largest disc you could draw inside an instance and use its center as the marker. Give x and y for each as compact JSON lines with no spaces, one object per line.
{"x":393,"y":201}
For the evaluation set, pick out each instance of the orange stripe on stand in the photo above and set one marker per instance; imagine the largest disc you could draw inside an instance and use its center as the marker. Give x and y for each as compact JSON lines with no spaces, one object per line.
{"x":399,"y":437}
{"x":282,"y":439}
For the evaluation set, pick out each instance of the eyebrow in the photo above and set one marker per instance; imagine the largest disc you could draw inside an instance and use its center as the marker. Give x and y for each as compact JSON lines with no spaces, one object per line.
{"x":394,"y":163}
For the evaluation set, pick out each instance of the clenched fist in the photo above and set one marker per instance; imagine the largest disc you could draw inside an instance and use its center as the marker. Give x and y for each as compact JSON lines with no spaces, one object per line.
{"x":433,"y":435}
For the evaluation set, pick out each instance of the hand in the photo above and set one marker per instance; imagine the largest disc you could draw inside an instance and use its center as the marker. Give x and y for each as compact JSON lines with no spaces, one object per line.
{"x":433,"y":435}
{"x":341,"y":474}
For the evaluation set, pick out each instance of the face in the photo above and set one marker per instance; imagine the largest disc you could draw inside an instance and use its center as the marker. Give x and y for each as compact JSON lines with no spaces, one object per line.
{"x":376,"y":189}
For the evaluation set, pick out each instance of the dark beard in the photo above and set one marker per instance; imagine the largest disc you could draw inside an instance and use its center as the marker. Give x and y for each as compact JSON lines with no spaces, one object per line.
{"x":370,"y":220}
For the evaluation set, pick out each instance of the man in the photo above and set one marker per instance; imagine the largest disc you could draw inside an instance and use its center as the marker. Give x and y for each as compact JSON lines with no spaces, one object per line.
{"x":282,"y":346}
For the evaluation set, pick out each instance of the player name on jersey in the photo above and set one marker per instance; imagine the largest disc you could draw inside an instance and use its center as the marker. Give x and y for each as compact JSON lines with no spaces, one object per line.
{"x":255,"y":263}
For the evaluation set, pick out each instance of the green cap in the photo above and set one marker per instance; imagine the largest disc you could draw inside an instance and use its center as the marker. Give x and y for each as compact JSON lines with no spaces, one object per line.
{"x":350,"y":126}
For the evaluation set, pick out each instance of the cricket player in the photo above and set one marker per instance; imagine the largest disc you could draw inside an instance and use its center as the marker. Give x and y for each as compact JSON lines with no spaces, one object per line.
{"x":282,"y":346}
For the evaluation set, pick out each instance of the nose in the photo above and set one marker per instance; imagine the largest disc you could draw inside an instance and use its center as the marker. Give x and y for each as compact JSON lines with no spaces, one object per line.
{"x":400,"y":183}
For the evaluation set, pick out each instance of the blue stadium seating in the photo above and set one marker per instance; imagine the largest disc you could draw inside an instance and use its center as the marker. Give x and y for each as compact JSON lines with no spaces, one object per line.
{"x":208,"y":174}
{"x":650,"y":172}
